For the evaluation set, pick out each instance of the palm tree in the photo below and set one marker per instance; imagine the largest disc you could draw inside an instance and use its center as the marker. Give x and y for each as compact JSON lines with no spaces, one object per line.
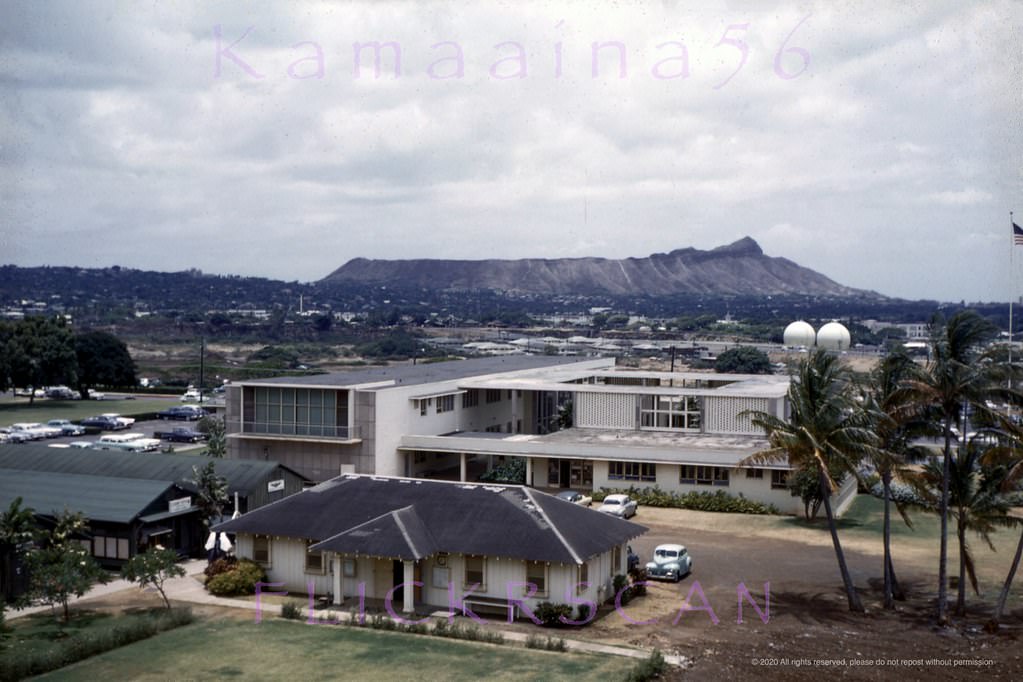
{"x":886,"y":402}
{"x":17,"y":525}
{"x":826,"y":429}
{"x":1013,"y":457}
{"x":952,"y":380}
{"x":976,"y":501}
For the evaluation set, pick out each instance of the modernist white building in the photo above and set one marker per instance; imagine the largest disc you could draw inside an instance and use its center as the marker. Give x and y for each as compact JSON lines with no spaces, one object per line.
{"x":581,"y":424}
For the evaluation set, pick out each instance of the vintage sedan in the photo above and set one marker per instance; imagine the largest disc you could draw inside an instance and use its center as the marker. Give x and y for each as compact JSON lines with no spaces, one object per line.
{"x":670,"y":562}
{"x":183,"y":413}
{"x":104,"y":423}
{"x":66,"y":427}
{"x":619,"y":505}
{"x":575,"y":497}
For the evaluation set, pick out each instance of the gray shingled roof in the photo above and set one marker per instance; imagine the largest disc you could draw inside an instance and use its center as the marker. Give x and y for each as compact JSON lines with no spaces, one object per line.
{"x":243,"y":475}
{"x":99,"y":498}
{"x":408,"y":518}
{"x":422,"y":373}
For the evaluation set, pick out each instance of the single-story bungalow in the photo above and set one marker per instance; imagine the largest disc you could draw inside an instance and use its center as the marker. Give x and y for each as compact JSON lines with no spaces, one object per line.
{"x":462,"y":545}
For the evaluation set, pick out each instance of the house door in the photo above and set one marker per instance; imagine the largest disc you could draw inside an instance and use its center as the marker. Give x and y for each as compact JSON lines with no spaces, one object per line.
{"x":566,"y":473}
{"x":398,"y":577}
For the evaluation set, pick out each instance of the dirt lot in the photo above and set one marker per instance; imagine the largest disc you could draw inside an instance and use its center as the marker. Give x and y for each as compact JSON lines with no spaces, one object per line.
{"x":809,"y":626}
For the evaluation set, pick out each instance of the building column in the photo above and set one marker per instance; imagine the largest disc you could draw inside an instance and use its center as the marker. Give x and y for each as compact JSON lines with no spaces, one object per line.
{"x":514,"y":411}
{"x":409,"y":591}
{"x":462,"y":467}
{"x":529,"y":471}
{"x":339,"y":569}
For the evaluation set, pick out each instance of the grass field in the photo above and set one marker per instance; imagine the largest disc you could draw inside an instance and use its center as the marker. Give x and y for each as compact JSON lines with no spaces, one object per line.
{"x":285,"y":650}
{"x":12,"y":412}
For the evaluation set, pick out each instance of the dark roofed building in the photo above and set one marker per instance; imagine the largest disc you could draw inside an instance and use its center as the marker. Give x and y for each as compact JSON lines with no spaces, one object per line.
{"x":383,"y":532}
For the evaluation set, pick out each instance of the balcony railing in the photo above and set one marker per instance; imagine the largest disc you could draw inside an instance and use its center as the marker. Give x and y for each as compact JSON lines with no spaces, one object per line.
{"x":269,"y":428}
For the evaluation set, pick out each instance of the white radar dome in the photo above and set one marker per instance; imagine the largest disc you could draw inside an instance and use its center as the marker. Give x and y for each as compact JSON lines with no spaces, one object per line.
{"x":799,"y":334}
{"x":834,"y":336}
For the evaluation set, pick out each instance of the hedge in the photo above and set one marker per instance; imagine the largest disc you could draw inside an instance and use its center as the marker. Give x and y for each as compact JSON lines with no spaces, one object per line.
{"x":714,"y":501}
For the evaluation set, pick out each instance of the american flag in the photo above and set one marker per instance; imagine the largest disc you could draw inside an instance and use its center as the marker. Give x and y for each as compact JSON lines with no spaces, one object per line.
{"x":1017,"y":235}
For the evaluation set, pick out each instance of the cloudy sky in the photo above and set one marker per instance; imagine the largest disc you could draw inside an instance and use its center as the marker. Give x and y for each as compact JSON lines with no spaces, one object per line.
{"x":878,"y":145}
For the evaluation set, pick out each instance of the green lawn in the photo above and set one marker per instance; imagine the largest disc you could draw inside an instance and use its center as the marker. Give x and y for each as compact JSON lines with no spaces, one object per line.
{"x":74,"y":410}
{"x":287,"y":650}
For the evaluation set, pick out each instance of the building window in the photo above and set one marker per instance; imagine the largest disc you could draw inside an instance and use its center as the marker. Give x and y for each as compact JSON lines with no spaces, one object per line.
{"x":424,"y":406}
{"x":348,"y":568}
{"x":669,"y":413}
{"x":296,"y":411}
{"x":536,"y":573}
{"x":475,"y":572}
{"x":616,"y":559}
{"x":470,"y":398}
{"x":109,"y":548}
{"x":261,"y":549}
{"x":493,"y":395}
{"x":313,"y":560}
{"x":755,"y":473}
{"x":703,"y":475}
{"x":584,"y":577}
{"x":779,"y":479}
{"x":632,"y":471}
{"x":445,"y":403}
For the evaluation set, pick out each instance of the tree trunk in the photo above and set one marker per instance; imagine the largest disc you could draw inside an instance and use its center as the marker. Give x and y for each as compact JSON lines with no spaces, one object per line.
{"x":943,"y":512}
{"x":961,"y":592}
{"x":897,"y":591}
{"x":1003,"y":596}
{"x":850,"y":590}
{"x":889,"y":599}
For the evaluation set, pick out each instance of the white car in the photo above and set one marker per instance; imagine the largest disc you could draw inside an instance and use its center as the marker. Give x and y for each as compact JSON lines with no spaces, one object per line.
{"x":66,"y":427}
{"x":671,"y":562}
{"x":618,"y":505}
{"x":191,"y":394}
{"x":575,"y":497}
{"x":35,"y":431}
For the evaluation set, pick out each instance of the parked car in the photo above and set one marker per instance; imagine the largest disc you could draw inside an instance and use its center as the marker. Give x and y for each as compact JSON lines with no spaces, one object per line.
{"x":8,"y":435}
{"x":104,"y":423}
{"x":35,"y":431}
{"x":80,"y":444}
{"x":575,"y":497}
{"x":618,"y":505}
{"x":183,"y":413}
{"x":127,"y":421}
{"x":128,"y":442}
{"x":66,"y":427}
{"x":191,"y":394}
{"x":62,"y":393}
{"x":96,"y":395}
{"x":670,"y":562}
{"x":180,"y":434}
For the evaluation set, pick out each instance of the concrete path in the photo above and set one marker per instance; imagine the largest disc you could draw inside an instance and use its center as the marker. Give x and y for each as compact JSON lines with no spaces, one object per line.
{"x":190,"y":589}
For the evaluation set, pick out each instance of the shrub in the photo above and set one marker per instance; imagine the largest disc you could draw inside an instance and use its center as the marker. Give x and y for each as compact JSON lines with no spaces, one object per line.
{"x":585,"y":614}
{"x":291,"y":610}
{"x":241,"y":579}
{"x":649,"y":668}
{"x":697,"y":500}
{"x":546,"y":643}
{"x":550,"y":615}
{"x":222,"y":565}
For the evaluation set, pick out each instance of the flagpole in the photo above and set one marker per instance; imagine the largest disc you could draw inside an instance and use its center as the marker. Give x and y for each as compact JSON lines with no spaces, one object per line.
{"x":1012,"y":289}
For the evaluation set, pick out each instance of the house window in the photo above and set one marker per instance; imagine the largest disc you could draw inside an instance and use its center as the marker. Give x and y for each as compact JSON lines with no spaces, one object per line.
{"x":779,"y":479}
{"x":475,"y":572}
{"x":669,"y":413}
{"x":536,"y":573}
{"x":445,"y":403}
{"x":584,"y":577}
{"x":313,"y":560}
{"x":632,"y":471}
{"x":755,"y":473}
{"x":348,"y":568}
{"x":703,"y":475}
{"x":470,"y":398}
{"x":493,"y":395}
{"x":261,"y":550}
{"x":616,"y":558}
{"x":424,"y":405}
{"x":109,"y":548}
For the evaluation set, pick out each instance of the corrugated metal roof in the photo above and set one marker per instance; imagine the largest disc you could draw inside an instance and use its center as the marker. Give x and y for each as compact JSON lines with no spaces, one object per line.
{"x":99,"y":498}
{"x":243,"y":475}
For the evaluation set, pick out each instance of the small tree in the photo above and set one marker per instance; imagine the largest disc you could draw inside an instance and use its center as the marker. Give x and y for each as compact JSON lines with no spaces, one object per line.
{"x":153,"y":568}
{"x":17,"y":524}
{"x":212,"y":492}
{"x":216,"y":437}
{"x":63,"y":568}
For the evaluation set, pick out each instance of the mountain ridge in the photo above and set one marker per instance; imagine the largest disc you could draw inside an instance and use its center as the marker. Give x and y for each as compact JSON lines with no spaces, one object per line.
{"x":739,"y":268}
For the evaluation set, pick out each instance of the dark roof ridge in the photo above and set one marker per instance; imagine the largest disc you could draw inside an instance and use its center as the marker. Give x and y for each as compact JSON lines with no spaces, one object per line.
{"x":554,"y":528}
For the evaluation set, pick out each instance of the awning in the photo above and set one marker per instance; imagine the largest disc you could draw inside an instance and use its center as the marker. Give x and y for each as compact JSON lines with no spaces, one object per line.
{"x":153,"y":532}
{"x":167,"y":515}
{"x":438,"y":394}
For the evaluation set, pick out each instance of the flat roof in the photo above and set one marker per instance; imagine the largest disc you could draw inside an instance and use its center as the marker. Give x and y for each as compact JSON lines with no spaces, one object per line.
{"x":428,"y":372}
{"x":602,"y":444}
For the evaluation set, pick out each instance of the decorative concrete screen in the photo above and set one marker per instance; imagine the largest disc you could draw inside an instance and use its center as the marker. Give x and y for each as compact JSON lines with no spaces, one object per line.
{"x":605,"y":410}
{"x":721,"y":415}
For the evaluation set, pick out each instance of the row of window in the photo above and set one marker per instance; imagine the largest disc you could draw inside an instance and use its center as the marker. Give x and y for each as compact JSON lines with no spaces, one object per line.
{"x":688,"y":473}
